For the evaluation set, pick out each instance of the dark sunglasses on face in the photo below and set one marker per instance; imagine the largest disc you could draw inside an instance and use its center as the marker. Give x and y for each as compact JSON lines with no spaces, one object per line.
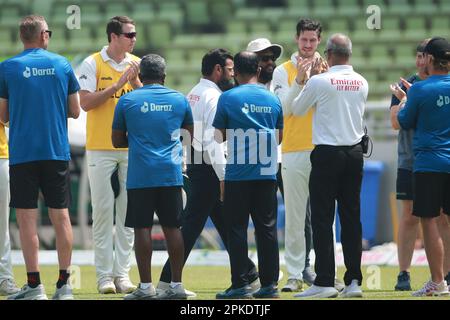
{"x":49,"y":33}
{"x":267,"y":58}
{"x":129,"y":35}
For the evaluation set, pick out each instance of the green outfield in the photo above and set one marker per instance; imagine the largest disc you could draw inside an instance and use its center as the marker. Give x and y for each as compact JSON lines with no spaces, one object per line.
{"x":206,"y":281}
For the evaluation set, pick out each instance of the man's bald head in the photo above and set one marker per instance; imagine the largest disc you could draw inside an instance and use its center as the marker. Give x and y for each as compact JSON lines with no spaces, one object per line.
{"x":246,"y":63}
{"x":340,"y":45}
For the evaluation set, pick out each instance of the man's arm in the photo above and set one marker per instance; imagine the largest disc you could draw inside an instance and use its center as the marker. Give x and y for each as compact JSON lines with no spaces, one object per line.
{"x":220,"y":135}
{"x":306,"y":99}
{"x":281,"y":88}
{"x":74,"y":106}
{"x":190,"y":130}
{"x":280,"y":135}
{"x":407,"y":115}
{"x":4,"y":111}
{"x":91,"y":100}
{"x":119,"y":139}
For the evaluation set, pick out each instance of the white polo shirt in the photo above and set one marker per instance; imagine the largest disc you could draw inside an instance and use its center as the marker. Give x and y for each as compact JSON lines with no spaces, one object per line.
{"x":203,"y":99}
{"x":339,"y":96}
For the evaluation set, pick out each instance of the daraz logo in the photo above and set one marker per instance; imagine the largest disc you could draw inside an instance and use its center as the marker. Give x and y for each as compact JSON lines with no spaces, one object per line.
{"x":443,"y":100}
{"x":38,"y":72}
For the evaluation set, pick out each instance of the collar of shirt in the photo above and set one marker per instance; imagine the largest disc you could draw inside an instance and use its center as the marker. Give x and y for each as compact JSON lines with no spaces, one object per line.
{"x":208,"y":83}
{"x":265,"y":86}
{"x":340,"y":67}
{"x":107,"y":58}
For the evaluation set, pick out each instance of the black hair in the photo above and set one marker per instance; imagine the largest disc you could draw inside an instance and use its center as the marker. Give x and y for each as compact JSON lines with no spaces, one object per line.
{"x":214,"y":57}
{"x":152,"y":68}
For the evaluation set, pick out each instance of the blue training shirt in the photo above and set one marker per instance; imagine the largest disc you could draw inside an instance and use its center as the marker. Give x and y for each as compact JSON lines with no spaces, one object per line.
{"x":37,"y":84}
{"x":251,"y":114}
{"x":427,"y":111}
{"x":153,"y":116}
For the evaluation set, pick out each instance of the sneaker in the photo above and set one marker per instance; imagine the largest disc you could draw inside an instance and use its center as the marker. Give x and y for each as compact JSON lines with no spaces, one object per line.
{"x":8,"y":287}
{"x":255,"y":285}
{"x":239,"y":293}
{"x":293,"y":285}
{"x":447,"y":278}
{"x":106,"y":286}
{"x":141,"y":294}
{"x":309,"y":276}
{"x":177,"y":293}
{"x":352,"y":291}
{"x":403,"y":282}
{"x":432,"y":289}
{"x":267,"y":292}
{"x":318,"y":292}
{"x":124,"y":285}
{"x":63,"y":293}
{"x":27,"y":293}
{"x":339,"y":285}
{"x":163,"y":286}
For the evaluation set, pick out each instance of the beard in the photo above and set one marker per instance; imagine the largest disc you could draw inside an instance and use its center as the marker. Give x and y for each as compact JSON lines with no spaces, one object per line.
{"x":266,"y":76}
{"x":226,"y":84}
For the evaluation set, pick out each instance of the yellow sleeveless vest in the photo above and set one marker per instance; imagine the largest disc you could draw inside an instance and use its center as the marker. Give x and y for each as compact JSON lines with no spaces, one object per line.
{"x":297,"y":132}
{"x":3,"y":143}
{"x":99,"y":120}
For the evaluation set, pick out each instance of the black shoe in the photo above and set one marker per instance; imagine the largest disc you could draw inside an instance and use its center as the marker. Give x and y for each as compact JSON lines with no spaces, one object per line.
{"x":403,"y":282}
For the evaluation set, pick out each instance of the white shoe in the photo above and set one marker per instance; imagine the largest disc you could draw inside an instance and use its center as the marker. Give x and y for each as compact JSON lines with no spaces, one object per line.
{"x":141,"y":294}
{"x":293,"y":285}
{"x":27,"y":293}
{"x":318,"y":292}
{"x":63,"y":293}
{"x":163,"y":286}
{"x":8,"y":287}
{"x":432,"y":289}
{"x":124,"y":285}
{"x":106,"y":286}
{"x":339,"y":285}
{"x":352,"y":291}
{"x":177,"y":293}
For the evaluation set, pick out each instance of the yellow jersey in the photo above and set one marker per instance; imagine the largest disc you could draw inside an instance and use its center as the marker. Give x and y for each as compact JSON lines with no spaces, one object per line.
{"x":99,"y":120}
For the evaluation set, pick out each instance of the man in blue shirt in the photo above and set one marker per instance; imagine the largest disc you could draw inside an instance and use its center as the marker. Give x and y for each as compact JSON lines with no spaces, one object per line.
{"x":409,"y":224}
{"x":38,"y":92}
{"x":427,"y":110}
{"x":251,"y":119}
{"x":149,"y":121}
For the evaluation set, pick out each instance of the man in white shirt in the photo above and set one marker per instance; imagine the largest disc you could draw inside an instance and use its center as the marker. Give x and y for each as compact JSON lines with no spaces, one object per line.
{"x":206,"y":166}
{"x":338,"y":97}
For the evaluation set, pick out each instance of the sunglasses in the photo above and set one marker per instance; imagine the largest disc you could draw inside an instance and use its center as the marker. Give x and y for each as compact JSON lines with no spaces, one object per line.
{"x":49,"y":33}
{"x":267,"y":58}
{"x":129,"y":35}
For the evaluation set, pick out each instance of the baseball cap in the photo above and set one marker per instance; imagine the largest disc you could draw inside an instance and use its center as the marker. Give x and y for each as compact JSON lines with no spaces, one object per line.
{"x":261,"y":44}
{"x":439,"y":48}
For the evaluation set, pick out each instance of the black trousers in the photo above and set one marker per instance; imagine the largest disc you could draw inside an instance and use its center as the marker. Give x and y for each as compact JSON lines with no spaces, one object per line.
{"x":203,"y":201}
{"x":336,"y":175}
{"x":256,"y":199}
{"x":308,"y":227}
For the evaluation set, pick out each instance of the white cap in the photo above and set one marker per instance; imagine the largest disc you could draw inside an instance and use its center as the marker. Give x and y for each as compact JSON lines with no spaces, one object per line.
{"x":261,"y":44}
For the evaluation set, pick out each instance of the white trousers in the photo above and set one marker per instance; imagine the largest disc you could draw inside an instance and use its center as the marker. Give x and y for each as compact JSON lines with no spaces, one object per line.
{"x":295,"y":170}
{"x":5,"y":245}
{"x":112,"y":253}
